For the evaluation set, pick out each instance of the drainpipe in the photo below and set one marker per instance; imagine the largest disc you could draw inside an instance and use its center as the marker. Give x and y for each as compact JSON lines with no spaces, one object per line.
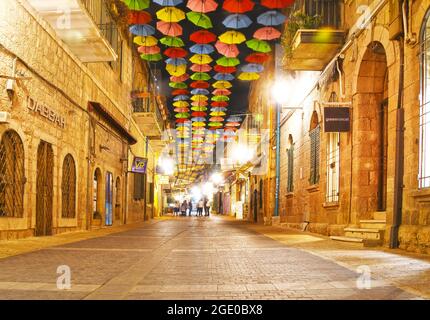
{"x":400,"y":136}
{"x":278,"y":158}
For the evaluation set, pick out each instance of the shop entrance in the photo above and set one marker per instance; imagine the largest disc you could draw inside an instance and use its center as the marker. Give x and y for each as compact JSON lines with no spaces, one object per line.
{"x":44,"y":189}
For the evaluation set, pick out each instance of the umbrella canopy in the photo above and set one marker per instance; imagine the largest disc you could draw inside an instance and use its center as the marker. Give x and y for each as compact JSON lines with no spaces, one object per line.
{"x":276,"y":4}
{"x":238,"y":6}
{"x":257,"y":57}
{"x":176,"y":61}
{"x":198,"y":119}
{"x":199,"y":114}
{"x":222,"y":84}
{"x":217,"y":114}
{"x":175,"y":52}
{"x":221,"y":92}
{"x":234,"y":119}
{"x":203,"y":36}
{"x":232,"y":124}
{"x":215,"y":124}
{"x":219,"y":104}
{"x":180,"y":104}
{"x":216,"y":119}
{"x":219,"y":109}
{"x":139,"y":17}
{"x":267,"y":33}
{"x":228,"y":50}
{"x":199,"y":103}
{"x":203,"y":6}
{"x":142,"y":30}
{"x":178,"y":92}
{"x":136,"y":4}
{"x":201,"y":59}
{"x":151,"y":57}
{"x":200,"y":76}
{"x":199,"y":97}
{"x":200,"y":91}
{"x":220,"y":98}
{"x":200,"y":19}
{"x":271,"y":18}
{"x":197,"y":108}
{"x":258,"y":45}
{"x":146,"y":41}
{"x":200,"y":67}
{"x":199,"y":84}
{"x":170,"y":14}
{"x":168,"y":3}
{"x":228,"y":62}
{"x":178,"y":85}
{"x":199,"y":124}
{"x":248,"y":76}
{"x":182,"y":109}
{"x":181,"y":97}
{"x":202,"y":48}
{"x":222,"y":69}
{"x":148,"y":50}
{"x":182,"y":115}
{"x":169,"y":28}
{"x":172,"y":41}
{"x":237,"y":21}
{"x":180,"y":78}
{"x":252,"y":67}
{"x":224,"y":76}
{"x":232,"y":37}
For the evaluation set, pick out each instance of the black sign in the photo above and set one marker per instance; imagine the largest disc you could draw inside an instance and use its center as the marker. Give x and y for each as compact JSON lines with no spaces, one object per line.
{"x":336,"y":119}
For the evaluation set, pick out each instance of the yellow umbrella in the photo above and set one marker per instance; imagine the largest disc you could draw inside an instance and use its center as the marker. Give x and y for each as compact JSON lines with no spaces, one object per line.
{"x":176,"y":70}
{"x":248,"y":76}
{"x":182,"y":129}
{"x":199,"y":97}
{"x":232,"y":37}
{"x":181,"y":104}
{"x":201,"y":59}
{"x":222,"y":84}
{"x":170,"y":14}
{"x":145,"y":41}
{"x":199,"y":124}
{"x":217,"y":113}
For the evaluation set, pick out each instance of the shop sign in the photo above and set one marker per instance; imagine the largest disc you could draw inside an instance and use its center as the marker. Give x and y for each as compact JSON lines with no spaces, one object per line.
{"x":46,"y":112}
{"x":337,"y":119}
{"x":139,"y":165}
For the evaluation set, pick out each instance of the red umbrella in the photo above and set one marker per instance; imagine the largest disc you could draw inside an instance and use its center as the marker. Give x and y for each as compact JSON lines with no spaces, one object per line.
{"x":222,"y":69}
{"x":180,"y":78}
{"x":183,"y":120}
{"x":221,"y":92}
{"x":267,"y":33}
{"x":198,"y":114}
{"x":181,"y":109}
{"x":172,"y":29}
{"x":202,"y":36}
{"x":216,"y":119}
{"x":199,"y":103}
{"x":139,"y":17}
{"x":257,"y":57}
{"x":178,"y":92}
{"x":202,"y":6}
{"x":228,"y":50}
{"x":219,"y":104}
{"x":238,"y":6}
{"x":149,"y":49}
{"x":276,"y":4}
{"x":200,"y":68}
{"x":175,"y":52}
{"x":199,"y":84}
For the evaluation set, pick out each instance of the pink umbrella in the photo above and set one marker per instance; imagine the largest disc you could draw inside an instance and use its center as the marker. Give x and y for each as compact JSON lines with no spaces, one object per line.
{"x":149,"y":50}
{"x":172,"y":29}
{"x":199,"y":103}
{"x":221,"y":92}
{"x":202,"y":6}
{"x":228,"y":50}
{"x":267,"y":33}
{"x":200,"y":68}
{"x":180,"y":78}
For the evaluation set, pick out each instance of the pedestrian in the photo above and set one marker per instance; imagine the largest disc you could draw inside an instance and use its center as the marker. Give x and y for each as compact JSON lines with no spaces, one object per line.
{"x":184,"y":207}
{"x":177,"y":208}
{"x":200,"y":208}
{"x":207,"y":206}
{"x":190,"y":207}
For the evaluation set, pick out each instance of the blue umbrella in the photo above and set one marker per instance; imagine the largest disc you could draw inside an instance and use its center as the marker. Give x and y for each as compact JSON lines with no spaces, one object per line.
{"x":142,"y":30}
{"x":237,"y":21}
{"x":202,"y":49}
{"x":252,"y":67}
{"x":198,"y":119}
{"x":224,"y":76}
{"x":204,"y":92}
{"x":168,"y":3}
{"x":176,"y":61}
{"x":271,"y":18}
{"x":181,"y":97}
{"x":234,"y":119}
{"x":218,"y":109}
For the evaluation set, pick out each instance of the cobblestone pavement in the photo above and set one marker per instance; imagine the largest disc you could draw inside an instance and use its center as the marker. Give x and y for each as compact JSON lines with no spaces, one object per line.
{"x":209,"y":258}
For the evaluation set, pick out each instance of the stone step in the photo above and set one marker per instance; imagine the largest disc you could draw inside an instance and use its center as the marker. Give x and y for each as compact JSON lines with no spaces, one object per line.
{"x":363,"y":242}
{"x":380,"y":215}
{"x":373,"y":224}
{"x":371,"y":234}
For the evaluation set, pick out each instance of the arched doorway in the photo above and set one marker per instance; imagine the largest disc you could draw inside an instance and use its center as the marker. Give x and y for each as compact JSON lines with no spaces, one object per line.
{"x":370,"y":134}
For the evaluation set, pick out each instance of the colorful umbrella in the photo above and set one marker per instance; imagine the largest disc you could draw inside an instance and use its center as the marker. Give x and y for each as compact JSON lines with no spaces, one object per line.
{"x":175,"y":52}
{"x":181,"y":97}
{"x":180,"y":104}
{"x":202,"y":48}
{"x":216,"y":119}
{"x":203,"y":6}
{"x":142,"y":30}
{"x":222,"y":69}
{"x":136,"y":4}
{"x":178,"y":85}
{"x":139,"y":17}
{"x":170,"y":14}
{"x":228,"y":62}
{"x":271,"y":18}
{"x":219,"y":104}
{"x":147,"y":41}
{"x":220,"y":98}
{"x":217,"y":114}
{"x":172,"y":29}
{"x":215,"y":124}
{"x":257,"y":57}
{"x":168,"y":3}
{"x":232,"y":124}
{"x":182,"y":115}
{"x":202,"y":36}
{"x":172,"y":41}
{"x":176,"y":70}
{"x":252,"y":67}
{"x":204,"y":92}
{"x":248,"y":76}
{"x":198,"y":119}
{"x":234,"y":119}
{"x":232,"y":37}
{"x":201,"y":59}
{"x":181,"y":109}
{"x":228,"y":50}
{"x":258,"y":45}
{"x":267,"y":33}
{"x":197,"y":108}
{"x":224,"y":76}
{"x":222,"y":84}
{"x":238,"y":6}
{"x":148,"y":50}
{"x":199,"y":97}
{"x":199,"y":114}
{"x":237,"y":21}
{"x":200,"y":19}
{"x":176,"y":61}
{"x":221,"y":92}
{"x":200,"y":76}
{"x":200,"y":68}
{"x":180,"y":78}
{"x":151,"y":57}
{"x":199,"y":84}
{"x":178,"y":92}
{"x":219,"y":109}
{"x":276,"y":4}
{"x":199,"y":103}
{"x":199,"y":124}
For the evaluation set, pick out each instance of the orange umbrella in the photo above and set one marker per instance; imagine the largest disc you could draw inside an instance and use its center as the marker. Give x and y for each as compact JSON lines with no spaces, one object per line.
{"x":148,"y":50}
{"x":228,"y":50}
{"x":202,"y":6}
{"x":201,"y":67}
{"x":221,"y":92}
{"x":180,"y":78}
{"x":139,"y":17}
{"x":267,"y":33}
{"x":172,"y":29}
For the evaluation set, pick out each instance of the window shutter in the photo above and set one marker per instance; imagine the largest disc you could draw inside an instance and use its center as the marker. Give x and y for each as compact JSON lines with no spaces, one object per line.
{"x":290,"y":154}
{"x":317,"y":154}
{"x":314,"y":155}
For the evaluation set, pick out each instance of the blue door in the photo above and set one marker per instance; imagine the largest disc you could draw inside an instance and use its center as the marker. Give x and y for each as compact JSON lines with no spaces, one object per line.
{"x":109,"y":198}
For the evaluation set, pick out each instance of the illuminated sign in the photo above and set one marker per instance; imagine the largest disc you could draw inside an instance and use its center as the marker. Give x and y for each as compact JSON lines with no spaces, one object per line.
{"x":336,"y":119}
{"x":139,"y":165}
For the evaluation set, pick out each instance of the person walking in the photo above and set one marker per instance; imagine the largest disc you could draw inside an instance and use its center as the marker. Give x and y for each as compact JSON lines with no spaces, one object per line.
{"x":200,"y":205}
{"x":190,"y":207}
{"x":184,"y":207}
{"x":177,"y":208}
{"x":207,"y":206}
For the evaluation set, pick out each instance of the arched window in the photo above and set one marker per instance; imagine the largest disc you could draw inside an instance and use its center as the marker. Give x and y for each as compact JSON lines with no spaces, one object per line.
{"x":12,"y":177}
{"x":314,"y":135}
{"x":68,"y":188}
{"x":290,"y":164}
{"x":424,"y":154}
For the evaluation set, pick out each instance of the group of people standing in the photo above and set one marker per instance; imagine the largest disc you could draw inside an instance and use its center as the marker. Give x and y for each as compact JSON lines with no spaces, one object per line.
{"x":186,"y":207}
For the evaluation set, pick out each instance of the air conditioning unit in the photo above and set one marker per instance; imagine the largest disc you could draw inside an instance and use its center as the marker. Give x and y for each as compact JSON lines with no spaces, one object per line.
{"x":4,"y":117}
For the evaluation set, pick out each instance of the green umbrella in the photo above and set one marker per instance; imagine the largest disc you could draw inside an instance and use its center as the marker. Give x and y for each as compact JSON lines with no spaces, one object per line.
{"x":200,"y":19}
{"x":136,"y":5}
{"x":182,"y":115}
{"x":151,"y":57}
{"x":178,"y":85}
{"x":228,"y":62}
{"x":200,"y":76}
{"x":215,"y":124}
{"x":199,"y":108}
{"x":220,"y":98}
{"x":172,"y":41}
{"x":258,"y":45}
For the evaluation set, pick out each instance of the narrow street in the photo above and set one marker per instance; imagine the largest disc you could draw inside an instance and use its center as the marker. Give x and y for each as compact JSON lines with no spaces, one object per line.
{"x":210,"y":258}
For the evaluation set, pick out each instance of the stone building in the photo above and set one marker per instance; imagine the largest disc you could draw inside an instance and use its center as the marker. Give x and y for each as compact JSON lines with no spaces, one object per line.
{"x":68,"y":135}
{"x":370,"y":183}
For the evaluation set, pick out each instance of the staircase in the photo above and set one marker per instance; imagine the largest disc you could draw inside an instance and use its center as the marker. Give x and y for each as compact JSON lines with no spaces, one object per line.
{"x":369,"y":234}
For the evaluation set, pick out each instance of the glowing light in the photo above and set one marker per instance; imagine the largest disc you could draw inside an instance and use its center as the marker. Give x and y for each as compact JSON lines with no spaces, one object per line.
{"x":280,"y":91}
{"x":196,"y":193}
{"x":217,"y":178}
{"x":208,"y":189}
{"x":167,"y":165}
{"x":242,"y":154}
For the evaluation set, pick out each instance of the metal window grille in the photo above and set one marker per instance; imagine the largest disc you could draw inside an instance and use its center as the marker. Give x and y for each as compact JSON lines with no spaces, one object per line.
{"x":12,"y":176}
{"x":314,"y":135}
{"x":332,"y":188}
{"x":290,"y":173}
{"x":329,"y":10}
{"x":68,"y":188}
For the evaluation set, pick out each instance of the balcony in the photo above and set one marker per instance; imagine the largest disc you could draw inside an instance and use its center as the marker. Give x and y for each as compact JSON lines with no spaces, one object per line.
{"x":84,"y":25}
{"x":148,"y":116}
